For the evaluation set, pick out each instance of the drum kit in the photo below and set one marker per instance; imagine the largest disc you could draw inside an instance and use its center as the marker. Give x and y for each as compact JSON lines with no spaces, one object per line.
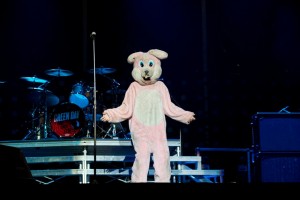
{"x":51,"y":118}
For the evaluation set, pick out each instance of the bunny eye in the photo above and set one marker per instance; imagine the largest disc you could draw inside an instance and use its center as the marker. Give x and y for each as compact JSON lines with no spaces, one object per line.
{"x":141,"y":64}
{"x":151,"y":63}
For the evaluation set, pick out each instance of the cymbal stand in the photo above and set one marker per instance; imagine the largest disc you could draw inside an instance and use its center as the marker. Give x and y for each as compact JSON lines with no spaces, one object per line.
{"x":45,"y":121}
{"x":34,"y":131}
{"x":40,"y":130}
{"x":115,"y":86}
{"x":45,"y":109}
{"x":112,"y":131}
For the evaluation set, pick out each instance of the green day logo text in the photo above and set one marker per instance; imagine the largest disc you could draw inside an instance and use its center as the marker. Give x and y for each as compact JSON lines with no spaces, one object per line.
{"x":59,"y":117}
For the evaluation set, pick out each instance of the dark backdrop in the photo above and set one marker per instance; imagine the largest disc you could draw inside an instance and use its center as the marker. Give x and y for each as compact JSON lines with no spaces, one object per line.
{"x":227,"y":59}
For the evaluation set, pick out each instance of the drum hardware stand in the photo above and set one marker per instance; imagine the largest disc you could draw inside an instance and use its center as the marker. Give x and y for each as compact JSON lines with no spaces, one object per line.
{"x":34,"y":132}
{"x":45,"y":122}
{"x":112,"y":131}
{"x":113,"y":126}
{"x":44,"y":102}
{"x":88,"y":131}
{"x":40,"y":131}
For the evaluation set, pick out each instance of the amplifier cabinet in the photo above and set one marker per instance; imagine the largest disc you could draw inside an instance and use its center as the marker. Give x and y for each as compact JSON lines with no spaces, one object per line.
{"x":277,"y":168}
{"x":276,"y":132}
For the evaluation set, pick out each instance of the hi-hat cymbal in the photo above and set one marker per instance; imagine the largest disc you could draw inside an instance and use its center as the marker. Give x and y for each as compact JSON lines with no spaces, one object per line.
{"x":34,"y":79}
{"x":58,"y":72}
{"x":102,"y":70}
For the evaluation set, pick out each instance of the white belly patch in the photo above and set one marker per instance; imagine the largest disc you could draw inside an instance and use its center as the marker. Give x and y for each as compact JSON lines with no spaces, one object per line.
{"x":148,"y":107}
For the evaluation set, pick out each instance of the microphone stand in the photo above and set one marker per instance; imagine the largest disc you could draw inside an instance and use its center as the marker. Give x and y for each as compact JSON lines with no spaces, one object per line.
{"x":93,"y":36}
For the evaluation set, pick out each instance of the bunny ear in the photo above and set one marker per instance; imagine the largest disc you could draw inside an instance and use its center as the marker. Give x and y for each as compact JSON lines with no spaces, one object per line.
{"x":132,"y":57}
{"x":158,"y":53}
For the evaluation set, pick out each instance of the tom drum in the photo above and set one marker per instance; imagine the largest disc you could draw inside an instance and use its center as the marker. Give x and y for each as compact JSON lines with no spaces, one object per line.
{"x":80,"y":95}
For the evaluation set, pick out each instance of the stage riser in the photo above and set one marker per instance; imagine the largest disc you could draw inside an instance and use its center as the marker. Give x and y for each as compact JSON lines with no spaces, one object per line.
{"x":70,"y":147}
{"x":77,"y":157}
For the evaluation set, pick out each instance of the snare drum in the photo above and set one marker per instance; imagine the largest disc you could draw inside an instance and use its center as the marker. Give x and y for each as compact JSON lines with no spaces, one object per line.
{"x":80,"y":95}
{"x":67,"y":119}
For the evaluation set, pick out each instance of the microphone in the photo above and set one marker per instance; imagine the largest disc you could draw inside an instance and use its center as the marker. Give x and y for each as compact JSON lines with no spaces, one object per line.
{"x":93,"y":35}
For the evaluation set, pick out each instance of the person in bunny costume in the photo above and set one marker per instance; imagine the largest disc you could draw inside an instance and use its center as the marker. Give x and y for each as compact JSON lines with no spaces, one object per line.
{"x":146,"y":104}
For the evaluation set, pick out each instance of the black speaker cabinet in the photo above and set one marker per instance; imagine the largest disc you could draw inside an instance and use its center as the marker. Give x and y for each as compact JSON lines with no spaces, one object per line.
{"x":276,"y":138}
{"x":277,"y":132}
{"x":277,"y":168}
{"x":13,"y":166}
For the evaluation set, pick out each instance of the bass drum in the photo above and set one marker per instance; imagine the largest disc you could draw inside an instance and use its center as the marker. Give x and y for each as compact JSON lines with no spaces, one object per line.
{"x":67,"y":119}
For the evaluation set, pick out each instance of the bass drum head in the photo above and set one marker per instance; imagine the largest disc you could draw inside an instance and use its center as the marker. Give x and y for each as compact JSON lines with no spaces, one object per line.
{"x":67,"y":119}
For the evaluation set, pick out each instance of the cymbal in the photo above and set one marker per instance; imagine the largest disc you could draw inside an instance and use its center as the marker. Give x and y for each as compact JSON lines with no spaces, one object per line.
{"x":38,"y":89}
{"x":58,"y":72}
{"x":34,"y":79}
{"x":102,"y":70}
{"x":116,"y":91}
{"x":39,"y":95}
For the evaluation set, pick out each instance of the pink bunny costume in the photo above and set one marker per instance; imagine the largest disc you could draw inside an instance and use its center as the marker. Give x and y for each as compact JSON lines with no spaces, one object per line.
{"x":146,"y":103}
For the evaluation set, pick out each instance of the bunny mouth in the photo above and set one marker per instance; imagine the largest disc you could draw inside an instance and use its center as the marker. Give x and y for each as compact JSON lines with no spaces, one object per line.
{"x":147,"y":78}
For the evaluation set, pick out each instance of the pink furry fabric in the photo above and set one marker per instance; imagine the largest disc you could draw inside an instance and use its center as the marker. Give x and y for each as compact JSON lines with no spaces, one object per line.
{"x":146,"y":107}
